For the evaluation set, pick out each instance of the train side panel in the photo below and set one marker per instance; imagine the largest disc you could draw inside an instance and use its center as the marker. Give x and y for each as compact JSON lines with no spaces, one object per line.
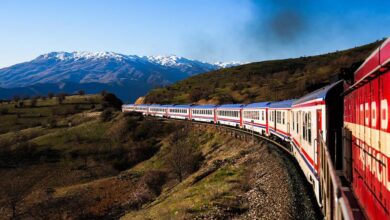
{"x":255,"y":119}
{"x":367,"y":119}
{"x":307,"y":121}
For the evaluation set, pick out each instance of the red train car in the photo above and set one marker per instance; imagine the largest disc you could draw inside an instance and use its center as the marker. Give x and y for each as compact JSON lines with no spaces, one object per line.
{"x":366,"y":120}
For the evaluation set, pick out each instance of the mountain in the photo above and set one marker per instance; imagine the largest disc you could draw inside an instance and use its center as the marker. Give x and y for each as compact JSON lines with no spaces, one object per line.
{"x":264,"y":81}
{"x":129,"y":76}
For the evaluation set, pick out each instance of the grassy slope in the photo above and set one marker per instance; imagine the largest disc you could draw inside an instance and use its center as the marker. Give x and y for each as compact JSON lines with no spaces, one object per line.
{"x":217,"y":190}
{"x":35,"y":157}
{"x":72,"y":172}
{"x":180,"y":200}
{"x":261,"y":81}
{"x":26,"y":117}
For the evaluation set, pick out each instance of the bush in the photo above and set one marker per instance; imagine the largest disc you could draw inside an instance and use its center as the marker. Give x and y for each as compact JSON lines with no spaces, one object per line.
{"x":61,"y":97}
{"x":106,"y":115}
{"x":121,"y":129}
{"x":145,"y":130}
{"x":111,"y":101}
{"x":50,"y":95}
{"x":4,"y":111}
{"x":121,"y":164}
{"x":16,"y":98}
{"x":183,"y":158}
{"x":21,"y":104}
{"x":154,"y":180}
{"x":103,"y":92}
{"x":51,"y":123}
{"x":33,"y":102}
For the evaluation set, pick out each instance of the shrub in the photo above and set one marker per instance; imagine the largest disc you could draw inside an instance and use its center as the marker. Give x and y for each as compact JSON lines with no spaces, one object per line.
{"x":121,"y":164}
{"x":183,"y":158}
{"x":121,"y":128}
{"x":50,"y":95}
{"x":106,"y":115}
{"x":4,"y":111}
{"x":21,"y":104}
{"x":61,"y":97}
{"x":16,"y":98}
{"x":154,"y":180}
{"x":51,"y":123}
{"x":33,"y":102}
{"x":111,"y":101}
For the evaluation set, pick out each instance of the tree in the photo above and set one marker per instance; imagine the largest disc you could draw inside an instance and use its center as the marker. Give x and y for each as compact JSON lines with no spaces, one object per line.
{"x":111,"y":101}
{"x":16,"y":189}
{"x":183,"y":157}
{"x":50,"y":95}
{"x":51,"y":122}
{"x":33,"y":102}
{"x":4,"y":111}
{"x":106,"y":115}
{"x":21,"y":104}
{"x":16,"y":98}
{"x":103,"y":92}
{"x":61,"y":98}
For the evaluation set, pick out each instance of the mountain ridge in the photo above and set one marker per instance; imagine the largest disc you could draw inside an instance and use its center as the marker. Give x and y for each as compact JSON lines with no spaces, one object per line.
{"x":107,"y":69}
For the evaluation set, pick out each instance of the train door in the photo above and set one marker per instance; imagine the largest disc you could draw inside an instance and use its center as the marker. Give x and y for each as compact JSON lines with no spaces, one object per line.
{"x":319,"y":132}
{"x":266,"y":122}
{"x":215,"y":116}
{"x":288,"y":119}
{"x":240,"y":115}
{"x":274,"y":118}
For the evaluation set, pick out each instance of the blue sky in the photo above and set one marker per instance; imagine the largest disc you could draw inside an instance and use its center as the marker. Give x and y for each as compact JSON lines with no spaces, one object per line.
{"x":208,"y":30}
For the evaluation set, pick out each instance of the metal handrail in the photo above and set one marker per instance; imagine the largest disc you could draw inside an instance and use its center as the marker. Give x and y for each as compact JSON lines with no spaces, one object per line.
{"x":334,"y":199}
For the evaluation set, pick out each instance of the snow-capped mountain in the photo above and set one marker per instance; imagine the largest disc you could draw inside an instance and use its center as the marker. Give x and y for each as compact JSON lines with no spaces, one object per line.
{"x":102,"y":69}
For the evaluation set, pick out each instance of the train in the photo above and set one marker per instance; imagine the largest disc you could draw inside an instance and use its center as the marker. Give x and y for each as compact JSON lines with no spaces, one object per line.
{"x":339,"y":135}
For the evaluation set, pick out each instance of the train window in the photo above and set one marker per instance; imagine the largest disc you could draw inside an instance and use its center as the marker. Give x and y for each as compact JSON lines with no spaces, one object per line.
{"x":304,"y":126}
{"x":262,"y":115}
{"x":283,"y":117}
{"x":309,"y":127}
{"x":293,"y":121}
{"x":278,"y":117}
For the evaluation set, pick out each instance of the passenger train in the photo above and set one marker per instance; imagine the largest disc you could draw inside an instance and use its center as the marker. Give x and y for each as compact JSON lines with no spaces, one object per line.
{"x":339,"y":134}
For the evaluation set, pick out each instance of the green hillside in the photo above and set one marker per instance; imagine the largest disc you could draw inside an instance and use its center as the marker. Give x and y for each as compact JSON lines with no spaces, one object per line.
{"x":263,"y":81}
{"x":82,"y":159}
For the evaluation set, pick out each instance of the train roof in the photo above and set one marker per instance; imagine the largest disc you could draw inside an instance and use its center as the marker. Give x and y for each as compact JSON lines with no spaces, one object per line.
{"x":380,"y":57}
{"x":180,"y":106}
{"x":319,"y":94}
{"x":142,"y":105}
{"x":231,"y":106}
{"x":128,"y":105}
{"x":155,"y":105}
{"x":282,"y":104}
{"x":258,"y":105}
{"x":204,"y":106}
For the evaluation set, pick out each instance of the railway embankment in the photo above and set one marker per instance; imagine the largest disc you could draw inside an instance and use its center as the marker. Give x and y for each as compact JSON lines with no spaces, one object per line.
{"x":240,"y":178}
{"x":133,"y":167}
